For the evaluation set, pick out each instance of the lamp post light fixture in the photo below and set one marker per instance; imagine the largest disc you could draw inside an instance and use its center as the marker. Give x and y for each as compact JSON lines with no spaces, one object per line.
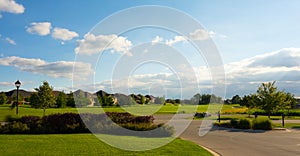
{"x":17,"y":84}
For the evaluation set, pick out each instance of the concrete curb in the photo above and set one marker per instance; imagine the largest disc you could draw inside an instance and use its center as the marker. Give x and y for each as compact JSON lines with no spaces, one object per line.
{"x":214,"y":153}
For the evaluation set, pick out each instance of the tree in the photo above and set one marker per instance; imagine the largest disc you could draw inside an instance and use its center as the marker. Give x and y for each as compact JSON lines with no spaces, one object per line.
{"x":236,"y":99}
{"x":106,"y":100}
{"x":70,"y":100}
{"x":250,"y":101}
{"x":270,"y":99}
{"x":34,"y":101}
{"x":289,"y":102}
{"x":159,"y":100}
{"x":143,"y":100}
{"x":45,"y":96}
{"x":196,"y":99}
{"x":205,"y":99}
{"x":61,"y":100}
{"x":3,"y":98}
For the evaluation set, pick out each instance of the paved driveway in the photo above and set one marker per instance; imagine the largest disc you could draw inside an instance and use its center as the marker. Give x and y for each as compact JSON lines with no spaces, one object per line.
{"x":230,"y":142}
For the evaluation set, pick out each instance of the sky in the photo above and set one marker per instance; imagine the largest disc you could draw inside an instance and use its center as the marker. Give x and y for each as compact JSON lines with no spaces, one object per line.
{"x":68,"y":44}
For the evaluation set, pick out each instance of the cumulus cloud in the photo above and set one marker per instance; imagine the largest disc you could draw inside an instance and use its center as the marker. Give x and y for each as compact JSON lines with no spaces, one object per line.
{"x":282,"y":65}
{"x":10,"y":41}
{"x":57,"y":69}
{"x":11,"y":6}
{"x":200,"y":34}
{"x":92,"y":44}
{"x":175,"y":40}
{"x":40,"y":28}
{"x":243,"y":77}
{"x":63,"y":34}
{"x":157,"y":39}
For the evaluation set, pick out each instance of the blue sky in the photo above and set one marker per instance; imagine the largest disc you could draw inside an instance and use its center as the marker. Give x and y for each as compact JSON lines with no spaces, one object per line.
{"x":258,"y":42}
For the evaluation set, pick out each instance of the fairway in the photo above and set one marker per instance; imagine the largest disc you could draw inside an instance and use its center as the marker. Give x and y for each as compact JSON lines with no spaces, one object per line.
{"x":84,"y":144}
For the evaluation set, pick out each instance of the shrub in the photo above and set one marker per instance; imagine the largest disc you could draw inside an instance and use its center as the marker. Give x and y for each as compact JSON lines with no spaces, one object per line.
{"x":223,"y":124}
{"x":262,"y":123}
{"x":244,"y":124}
{"x":75,"y":123}
{"x":234,"y":123}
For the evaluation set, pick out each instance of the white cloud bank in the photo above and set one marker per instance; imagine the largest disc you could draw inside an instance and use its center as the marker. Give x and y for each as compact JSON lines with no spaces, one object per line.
{"x":40,"y":28}
{"x":92,"y":44}
{"x":11,"y":6}
{"x":243,"y":77}
{"x":57,"y":69}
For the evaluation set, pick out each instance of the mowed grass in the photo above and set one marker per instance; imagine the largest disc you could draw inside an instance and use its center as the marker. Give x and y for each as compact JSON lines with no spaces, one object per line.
{"x":84,"y":144}
{"x":286,"y":125}
{"x":24,"y":110}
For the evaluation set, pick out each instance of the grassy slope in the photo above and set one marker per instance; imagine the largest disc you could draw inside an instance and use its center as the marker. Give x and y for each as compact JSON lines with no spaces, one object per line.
{"x":84,"y":144}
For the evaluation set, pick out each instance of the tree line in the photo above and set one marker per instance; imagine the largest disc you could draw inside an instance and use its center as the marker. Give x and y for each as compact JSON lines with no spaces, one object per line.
{"x":267,"y":98}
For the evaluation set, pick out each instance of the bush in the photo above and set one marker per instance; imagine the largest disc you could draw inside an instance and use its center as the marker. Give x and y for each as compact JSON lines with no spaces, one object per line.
{"x":223,"y":124}
{"x":234,"y":122}
{"x":262,"y":123}
{"x":75,"y":123}
{"x":244,"y":124}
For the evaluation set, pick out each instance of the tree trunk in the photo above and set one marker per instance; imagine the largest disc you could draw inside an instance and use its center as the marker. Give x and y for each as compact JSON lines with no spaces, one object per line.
{"x":44,"y":111}
{"x":269,"y":115}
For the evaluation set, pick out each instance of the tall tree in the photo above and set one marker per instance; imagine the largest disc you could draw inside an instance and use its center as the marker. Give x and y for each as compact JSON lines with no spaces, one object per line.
{"x":196,"y":99}
{"x":3,"y":98}
{"x":250,"y":101}
{"x":290,"y":102}
{"x":267,"y":97}
{"x":236,"y":99}
{"x":34,"y":101}
{"x":70,"y":100}
{"x":270,"y":99}
{"x":45,"y":96}
{"x":61,"y":100}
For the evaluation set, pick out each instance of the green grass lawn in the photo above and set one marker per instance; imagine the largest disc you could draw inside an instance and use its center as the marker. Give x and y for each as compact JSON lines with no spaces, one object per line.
{"x":286,"y":125}
{"x":137,"y":110}
{"x":84,"y":144}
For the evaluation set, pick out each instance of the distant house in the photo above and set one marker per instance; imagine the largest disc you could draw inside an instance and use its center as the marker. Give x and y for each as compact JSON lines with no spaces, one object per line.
{"x":150,"y":98}
{"x":22,"y":93}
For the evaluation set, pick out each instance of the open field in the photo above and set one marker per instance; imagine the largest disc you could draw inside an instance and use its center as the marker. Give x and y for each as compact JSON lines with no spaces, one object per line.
{"x":84,"y":144}
{"x":5,"y":110}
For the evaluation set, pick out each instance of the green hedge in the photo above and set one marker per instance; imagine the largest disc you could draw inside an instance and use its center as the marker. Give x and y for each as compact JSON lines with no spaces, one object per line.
{"x":86,"y":123}
{"x":262,"y":123}
{"x":259,"y":123}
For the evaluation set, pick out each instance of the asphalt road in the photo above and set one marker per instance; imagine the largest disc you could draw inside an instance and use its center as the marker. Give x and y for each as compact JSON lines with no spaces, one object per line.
{"x":232,"y":142}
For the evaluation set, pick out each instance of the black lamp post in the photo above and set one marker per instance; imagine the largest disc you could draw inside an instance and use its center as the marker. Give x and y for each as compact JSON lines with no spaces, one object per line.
{"x":17,"y":84}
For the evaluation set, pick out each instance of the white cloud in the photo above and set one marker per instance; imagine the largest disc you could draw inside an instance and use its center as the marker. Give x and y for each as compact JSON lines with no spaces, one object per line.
{"x":63,"y":34}
{"x":200,"y":34}
{"x":243,"y":77}
{"x":157,"y":39}
{"x":40,"y":28}
{"x":11,"y":6}
{"x":57,"y":69}
{"x":283,"y":66}
{"x":92,"y":44}
{"x":175,"y":40}
{"x":5,"y":84}
{"x":10,"y":41}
